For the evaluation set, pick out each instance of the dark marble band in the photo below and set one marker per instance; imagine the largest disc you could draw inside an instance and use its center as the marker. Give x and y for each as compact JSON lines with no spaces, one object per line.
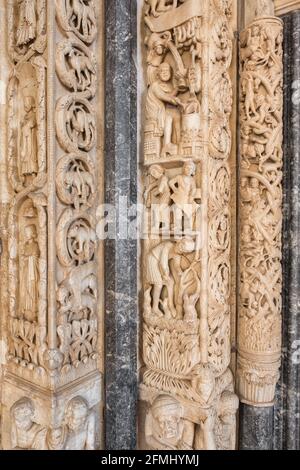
{"x":287,"y":410}
{"x":256,"y":428}
{"x":120,"y":254}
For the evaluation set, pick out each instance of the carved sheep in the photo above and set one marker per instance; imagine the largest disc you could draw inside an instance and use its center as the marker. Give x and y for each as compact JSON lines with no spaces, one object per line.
{"x":82,"y":66}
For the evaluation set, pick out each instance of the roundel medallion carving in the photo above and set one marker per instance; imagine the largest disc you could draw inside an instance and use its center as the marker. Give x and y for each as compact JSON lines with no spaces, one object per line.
{"x":75,"y":180}
{"x":76,"y":67}
{"x":76,"y":239}
{"x":79,"y":17}
{"x":75,"y":124}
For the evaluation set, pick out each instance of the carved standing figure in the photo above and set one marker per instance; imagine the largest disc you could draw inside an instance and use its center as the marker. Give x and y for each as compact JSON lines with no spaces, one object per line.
{"x":28,"y":144}
{"x":166,"y":428}
{"x":29,"y":274}
{"x":27,"y":22}
{"x":162,"y":109}
{"x":158,"y":272}
{"x":184,"y":193}
{"x":157,"y":196}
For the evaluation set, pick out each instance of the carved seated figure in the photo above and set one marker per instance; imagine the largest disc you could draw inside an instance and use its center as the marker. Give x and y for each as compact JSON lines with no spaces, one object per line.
{"x":166,"y":428}
{"x":25,"y":433}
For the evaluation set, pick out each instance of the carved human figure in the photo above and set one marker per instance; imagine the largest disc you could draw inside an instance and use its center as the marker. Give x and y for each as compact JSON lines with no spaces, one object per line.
{"x":226,"y":422}
{"x":184,"y":192}
{"x":158,"y":271}
{"x":29,"y":274}
{"x":157,"y":196}
{"x":26,"y":434}
{"x":166,"y":428}
{"x":204,"y":383}
{"x":157,"y":49}
{"x":56,"y":438}
{"x":80,"y":426}
{"x":28,"y":141}
{"x":27,"y":22}
{"x":162,"y":109}
{"x":253,"y":50}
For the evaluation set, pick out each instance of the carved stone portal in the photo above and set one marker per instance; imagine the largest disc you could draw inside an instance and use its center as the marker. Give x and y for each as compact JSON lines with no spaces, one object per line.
{"x":187,"y":388}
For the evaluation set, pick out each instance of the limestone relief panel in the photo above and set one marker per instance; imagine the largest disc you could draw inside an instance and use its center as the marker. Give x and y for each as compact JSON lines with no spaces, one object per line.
{"x":260,"y":210}
{"x":77,"y":430}
{"x":187,"y":391}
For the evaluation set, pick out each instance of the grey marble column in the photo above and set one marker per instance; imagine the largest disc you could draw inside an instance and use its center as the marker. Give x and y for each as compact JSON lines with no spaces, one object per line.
{"x":256,"y":428}
{"x":120,"y":254}
{"x":287,"y":412}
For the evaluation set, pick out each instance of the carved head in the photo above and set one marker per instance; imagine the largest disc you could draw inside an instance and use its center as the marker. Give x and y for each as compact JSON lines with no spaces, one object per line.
{"x":157,"y":171}
{"x":76,"y":413}
{"x":22,"y":413}
{"x":165,"y":72}
{"x":186,"y":245}
{"x":157,"y":47}
{"x":254,"y":183}
{"x":204,"y":381}
{"x":168,"y":413}
{"x":189,"y":168}
{"x":30,"y":232}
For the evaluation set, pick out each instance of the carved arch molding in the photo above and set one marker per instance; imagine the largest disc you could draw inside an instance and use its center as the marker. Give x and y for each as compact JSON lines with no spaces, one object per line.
{"x":52,"y":263}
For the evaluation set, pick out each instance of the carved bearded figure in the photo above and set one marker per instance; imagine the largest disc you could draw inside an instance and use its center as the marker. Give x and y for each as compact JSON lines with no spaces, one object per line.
{"x":26,"y":31}
{"x":80,"y":426}
{"x":29,"y":274}
{"x":161,"y":109}
{"x":29,"y":164}
{"x":166,"y":428}
{"x":25,"y":433}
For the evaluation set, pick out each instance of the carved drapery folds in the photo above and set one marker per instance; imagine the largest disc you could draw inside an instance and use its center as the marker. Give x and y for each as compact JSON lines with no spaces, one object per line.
{"x":187,"y":386}
{"x":260,"y":211}
{"x":52,"y":323}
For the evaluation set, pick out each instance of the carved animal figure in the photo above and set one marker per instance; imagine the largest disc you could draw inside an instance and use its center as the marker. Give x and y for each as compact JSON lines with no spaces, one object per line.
{"x":83,"y":68}
{"x":72,"y":298}
{"x":84,"y":16}
{"x":82,"y":184}
{"x":82,"y":237}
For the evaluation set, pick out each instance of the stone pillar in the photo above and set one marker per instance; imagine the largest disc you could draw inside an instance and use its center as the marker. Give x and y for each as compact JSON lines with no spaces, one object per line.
{"x":4,"y":190}
{"x":260,"y":303}
{"x":287,"y":426}
{"x":187,"y":391}
{"x":121,"y":294}
{"x":51,"y":394}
